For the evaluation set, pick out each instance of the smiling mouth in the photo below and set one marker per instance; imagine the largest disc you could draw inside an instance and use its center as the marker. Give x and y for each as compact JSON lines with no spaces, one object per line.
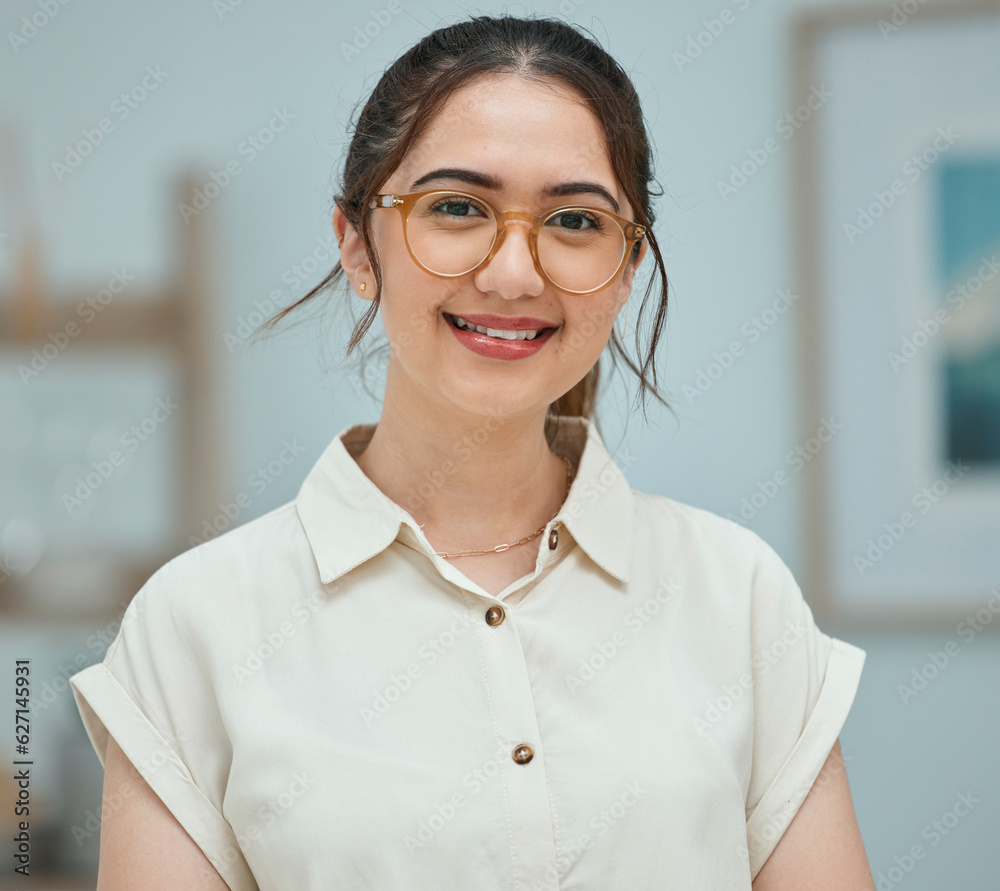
{"x":497,"y":333}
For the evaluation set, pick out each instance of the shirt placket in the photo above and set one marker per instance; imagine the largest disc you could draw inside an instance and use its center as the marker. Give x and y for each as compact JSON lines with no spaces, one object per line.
{"x":520,"y":752}
{"x":529,"y":812}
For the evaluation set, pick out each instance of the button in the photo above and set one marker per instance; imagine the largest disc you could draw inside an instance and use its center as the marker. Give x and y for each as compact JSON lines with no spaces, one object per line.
{"x":494,"y":615}
{"x":553,"y":538}
{"x":523,"y":754}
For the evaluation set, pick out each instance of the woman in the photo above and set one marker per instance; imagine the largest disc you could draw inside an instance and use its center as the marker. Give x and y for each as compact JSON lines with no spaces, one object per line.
{"x":469,"y":655}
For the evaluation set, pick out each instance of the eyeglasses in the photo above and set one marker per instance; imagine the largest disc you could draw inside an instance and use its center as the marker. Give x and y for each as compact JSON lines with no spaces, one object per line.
{"x":577,"y":249}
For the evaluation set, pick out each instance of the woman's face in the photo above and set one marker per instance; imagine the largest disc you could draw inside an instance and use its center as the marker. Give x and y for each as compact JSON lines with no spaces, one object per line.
{"x":526,"y":138}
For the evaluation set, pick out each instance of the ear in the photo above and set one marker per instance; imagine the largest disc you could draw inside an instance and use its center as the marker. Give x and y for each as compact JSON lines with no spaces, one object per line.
{"x":642,"y":252}
{"x":353,"y":256}
{"x":625,"y":288}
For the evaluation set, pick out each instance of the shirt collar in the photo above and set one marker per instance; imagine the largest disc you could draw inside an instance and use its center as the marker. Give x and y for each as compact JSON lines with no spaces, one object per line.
{"x":348,"y":519}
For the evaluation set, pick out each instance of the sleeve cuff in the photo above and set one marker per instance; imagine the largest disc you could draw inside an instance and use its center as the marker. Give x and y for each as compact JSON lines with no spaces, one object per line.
{"x":107,"y":709}
{"x":783,"y":798}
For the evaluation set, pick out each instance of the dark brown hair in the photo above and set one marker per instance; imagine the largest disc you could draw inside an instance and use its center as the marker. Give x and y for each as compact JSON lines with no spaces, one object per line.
{"x":415,"y":88}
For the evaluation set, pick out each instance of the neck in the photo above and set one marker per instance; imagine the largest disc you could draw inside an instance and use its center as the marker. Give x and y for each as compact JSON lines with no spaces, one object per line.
{"x":471,"y":480}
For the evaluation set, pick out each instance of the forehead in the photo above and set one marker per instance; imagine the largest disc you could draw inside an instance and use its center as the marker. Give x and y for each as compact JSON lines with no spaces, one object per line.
{"x":527,"y":132}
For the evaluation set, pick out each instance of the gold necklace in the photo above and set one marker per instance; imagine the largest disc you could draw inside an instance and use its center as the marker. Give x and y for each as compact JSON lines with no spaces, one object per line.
{"x":527,"y":538}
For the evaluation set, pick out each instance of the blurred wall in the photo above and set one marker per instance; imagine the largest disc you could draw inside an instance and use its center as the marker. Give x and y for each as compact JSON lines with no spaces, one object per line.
{"x":217,"y":74}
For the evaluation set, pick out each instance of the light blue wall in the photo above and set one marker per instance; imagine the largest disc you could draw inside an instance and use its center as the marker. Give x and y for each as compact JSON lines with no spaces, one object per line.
{"x":727,"y":259}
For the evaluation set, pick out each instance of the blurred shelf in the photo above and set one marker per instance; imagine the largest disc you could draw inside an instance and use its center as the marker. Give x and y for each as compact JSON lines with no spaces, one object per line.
{"x":19,"y":604}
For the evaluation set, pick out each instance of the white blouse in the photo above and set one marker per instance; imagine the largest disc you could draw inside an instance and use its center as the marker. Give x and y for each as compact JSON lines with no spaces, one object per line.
{"x":324,"y":703}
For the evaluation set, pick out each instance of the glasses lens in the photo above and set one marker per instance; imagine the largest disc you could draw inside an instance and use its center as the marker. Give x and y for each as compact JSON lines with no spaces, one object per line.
{"x":580,"y":248}
{"x":450,"y":233}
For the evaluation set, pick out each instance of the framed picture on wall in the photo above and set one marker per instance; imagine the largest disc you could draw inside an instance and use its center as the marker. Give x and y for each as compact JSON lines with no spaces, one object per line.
{"x":897,"y":220}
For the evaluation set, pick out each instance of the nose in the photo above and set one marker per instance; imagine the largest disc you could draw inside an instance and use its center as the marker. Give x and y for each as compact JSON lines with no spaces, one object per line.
{"x":511,"y":272}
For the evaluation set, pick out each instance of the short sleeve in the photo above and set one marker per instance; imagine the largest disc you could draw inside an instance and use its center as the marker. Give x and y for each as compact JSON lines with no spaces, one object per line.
{"x":153,"y":693}
{"x":804,"y":683}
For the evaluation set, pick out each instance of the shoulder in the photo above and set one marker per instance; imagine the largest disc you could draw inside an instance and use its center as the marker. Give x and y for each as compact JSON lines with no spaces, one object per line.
{"x":272,"y":536}
{"x":676,"y":523}
{"x":256,"y":546}
{"x":231,"y":580}
{"x":725,"y":566}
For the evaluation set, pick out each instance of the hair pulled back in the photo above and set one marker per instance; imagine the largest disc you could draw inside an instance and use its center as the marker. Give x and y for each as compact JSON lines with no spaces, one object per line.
{"x":413,"y":91}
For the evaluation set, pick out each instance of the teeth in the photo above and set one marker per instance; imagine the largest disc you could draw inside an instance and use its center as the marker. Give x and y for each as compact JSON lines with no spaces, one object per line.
{"x":496,"y":332}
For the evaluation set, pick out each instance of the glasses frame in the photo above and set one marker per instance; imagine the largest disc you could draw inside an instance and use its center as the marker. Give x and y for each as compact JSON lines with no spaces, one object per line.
{"x":633,"y":232}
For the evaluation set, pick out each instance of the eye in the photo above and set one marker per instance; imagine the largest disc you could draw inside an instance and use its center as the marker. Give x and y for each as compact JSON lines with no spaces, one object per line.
{"x":457,"y":206}
{"x":576,"y":219}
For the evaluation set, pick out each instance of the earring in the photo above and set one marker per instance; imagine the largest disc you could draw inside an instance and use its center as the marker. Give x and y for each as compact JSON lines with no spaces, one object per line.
{"x":363,"y":286}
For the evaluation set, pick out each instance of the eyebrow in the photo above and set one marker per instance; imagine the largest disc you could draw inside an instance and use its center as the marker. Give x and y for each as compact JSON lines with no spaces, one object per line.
{"x":494,"y":183}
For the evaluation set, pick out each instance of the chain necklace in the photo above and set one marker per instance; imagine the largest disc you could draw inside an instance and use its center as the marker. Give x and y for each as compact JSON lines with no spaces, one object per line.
{"x":535,"y":534}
